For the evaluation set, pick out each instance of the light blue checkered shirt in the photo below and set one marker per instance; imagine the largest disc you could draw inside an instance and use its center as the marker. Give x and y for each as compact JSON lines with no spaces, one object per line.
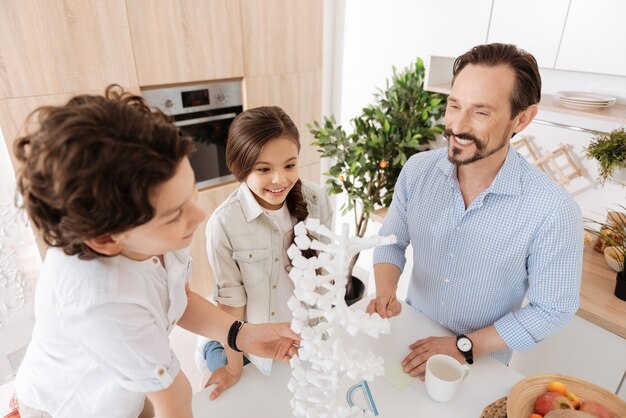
{"x":472,"y":267}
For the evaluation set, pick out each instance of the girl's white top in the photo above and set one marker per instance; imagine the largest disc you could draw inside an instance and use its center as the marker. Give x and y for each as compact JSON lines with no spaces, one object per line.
{"x":101,"y":334}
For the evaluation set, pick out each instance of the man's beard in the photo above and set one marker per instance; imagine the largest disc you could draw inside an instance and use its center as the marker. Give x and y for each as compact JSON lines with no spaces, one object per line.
{"x":481,"y":148}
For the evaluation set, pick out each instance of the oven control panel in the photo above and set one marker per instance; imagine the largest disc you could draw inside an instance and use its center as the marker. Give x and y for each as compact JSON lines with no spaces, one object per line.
{"x":194,"y":98}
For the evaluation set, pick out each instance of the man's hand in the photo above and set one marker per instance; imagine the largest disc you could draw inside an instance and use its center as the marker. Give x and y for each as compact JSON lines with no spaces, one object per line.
{"x":224,"y":377}
{"x":276,"y":341}
{"x":415,"y":363}
{"x":386,"y":306}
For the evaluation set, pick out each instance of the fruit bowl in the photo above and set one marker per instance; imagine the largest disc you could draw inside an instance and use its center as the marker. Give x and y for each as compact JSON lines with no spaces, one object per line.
{"x":521,"y":400}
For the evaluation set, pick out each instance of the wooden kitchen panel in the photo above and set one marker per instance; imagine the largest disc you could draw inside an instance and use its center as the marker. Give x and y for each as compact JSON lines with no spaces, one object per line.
{"x":186,"y":40}
{"x":202,"y":280}
{"x":298,"y":94}
{"x":282,"y":36}
{"x":63,"y":46}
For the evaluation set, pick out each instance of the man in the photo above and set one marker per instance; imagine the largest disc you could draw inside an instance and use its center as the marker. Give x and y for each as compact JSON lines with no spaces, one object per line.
{"x":487,"y":228}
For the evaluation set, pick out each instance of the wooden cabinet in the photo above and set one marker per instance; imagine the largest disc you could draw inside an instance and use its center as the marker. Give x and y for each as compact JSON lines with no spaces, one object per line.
{"x":202,"y":280}
{"x":298,"y":94}
{"x":533,"y":25}
{"x":282,"y":36}
{"x":594,"y":37}
{"x":63,"y":46}
{"x":186,"y":40}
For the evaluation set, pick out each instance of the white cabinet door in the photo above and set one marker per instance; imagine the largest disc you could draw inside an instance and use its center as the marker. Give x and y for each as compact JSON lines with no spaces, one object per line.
{"x":533,"y":25}
{"x":594,"y":38}
{"x":622,"y":392}
{"x":451,"y":27}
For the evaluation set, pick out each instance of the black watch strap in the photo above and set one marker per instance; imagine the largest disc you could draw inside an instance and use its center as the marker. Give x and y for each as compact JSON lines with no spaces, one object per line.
{"x":469,"y":354}
{"x":232,"y":334}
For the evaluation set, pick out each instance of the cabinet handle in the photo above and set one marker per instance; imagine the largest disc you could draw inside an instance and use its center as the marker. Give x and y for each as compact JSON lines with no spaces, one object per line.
{"x":573,"y":128}
{"x":205,"y":119}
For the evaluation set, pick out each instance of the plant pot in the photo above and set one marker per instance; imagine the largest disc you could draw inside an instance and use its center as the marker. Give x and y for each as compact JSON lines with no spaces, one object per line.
{"x":357,"y":291}
{"x":620,"y":285}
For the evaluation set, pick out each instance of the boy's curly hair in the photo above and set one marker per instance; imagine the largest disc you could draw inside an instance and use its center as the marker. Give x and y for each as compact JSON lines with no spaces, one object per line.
{"x":90,"y":166}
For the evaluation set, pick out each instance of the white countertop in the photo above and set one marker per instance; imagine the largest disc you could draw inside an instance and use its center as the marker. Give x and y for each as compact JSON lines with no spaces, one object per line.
{"x":267,"y":396}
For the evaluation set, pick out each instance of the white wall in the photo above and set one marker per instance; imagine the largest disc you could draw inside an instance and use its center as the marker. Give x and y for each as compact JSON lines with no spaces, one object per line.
{"x":19,"y":267}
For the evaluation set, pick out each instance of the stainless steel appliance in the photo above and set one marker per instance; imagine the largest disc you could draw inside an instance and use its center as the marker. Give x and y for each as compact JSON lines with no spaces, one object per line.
{"x":203,"y":112}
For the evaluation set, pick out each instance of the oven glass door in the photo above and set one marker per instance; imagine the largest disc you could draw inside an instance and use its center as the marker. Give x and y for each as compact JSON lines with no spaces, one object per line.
{"x":209,"y":159}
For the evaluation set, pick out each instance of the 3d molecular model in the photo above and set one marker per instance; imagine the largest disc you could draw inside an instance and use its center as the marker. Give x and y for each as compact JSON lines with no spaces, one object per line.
{"x":322,"y":318}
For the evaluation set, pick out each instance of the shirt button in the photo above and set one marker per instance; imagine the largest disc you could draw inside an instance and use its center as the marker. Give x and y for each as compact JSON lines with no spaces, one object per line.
{"x":273,"y":313}
{"x":274,"y":287}
{"x":451,"y":255}
{"x":275,"y":231}
{"x":160,"y":371}
{"x":446,"y":280}
{"x":155,"y":260}
{"x":276,"y":259}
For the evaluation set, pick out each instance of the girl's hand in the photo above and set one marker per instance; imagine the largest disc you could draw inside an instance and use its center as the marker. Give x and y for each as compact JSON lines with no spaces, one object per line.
{"x":276,"y":341}
{"x":224,"y":377}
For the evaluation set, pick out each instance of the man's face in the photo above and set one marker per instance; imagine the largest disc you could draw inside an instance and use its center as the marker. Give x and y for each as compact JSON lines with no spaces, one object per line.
{"x":478,"y":115}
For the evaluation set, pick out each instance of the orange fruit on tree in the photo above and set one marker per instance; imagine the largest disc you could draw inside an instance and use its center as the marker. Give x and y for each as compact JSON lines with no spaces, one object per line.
{"x":557,"y":387}
{"x":383,"y":164}
{"x":535,"y":416}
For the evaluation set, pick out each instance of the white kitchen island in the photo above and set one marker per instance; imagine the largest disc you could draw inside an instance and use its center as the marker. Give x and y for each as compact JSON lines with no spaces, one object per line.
{"x":262,"y":396}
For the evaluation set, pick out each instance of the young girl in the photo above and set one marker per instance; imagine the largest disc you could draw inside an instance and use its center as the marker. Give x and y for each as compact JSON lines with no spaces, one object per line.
{"x":248,"y":234}
{"x":109,"y":185}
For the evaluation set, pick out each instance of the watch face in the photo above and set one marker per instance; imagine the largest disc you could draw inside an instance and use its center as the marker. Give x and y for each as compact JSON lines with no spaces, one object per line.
{"x":464,"y":344}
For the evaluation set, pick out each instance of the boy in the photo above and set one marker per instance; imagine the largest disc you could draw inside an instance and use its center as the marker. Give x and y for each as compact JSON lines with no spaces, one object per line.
{"x":108,"y":183}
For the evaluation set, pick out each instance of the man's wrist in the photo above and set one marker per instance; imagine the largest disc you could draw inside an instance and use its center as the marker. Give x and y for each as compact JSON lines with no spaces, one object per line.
{"x":233,"y":333}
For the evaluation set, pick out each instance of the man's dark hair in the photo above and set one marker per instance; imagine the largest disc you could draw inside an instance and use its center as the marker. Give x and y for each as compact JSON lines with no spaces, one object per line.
{"x":527,"y":88}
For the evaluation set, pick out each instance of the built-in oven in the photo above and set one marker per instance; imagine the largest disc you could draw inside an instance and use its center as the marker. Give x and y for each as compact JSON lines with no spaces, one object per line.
{"x":203,"y":112}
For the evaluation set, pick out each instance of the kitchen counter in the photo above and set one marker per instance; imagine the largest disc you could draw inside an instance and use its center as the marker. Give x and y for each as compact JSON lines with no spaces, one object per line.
{"x":598,"y":304}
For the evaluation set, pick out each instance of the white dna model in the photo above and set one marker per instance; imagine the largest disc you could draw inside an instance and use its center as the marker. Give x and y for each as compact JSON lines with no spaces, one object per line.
{"x":322,"y":318}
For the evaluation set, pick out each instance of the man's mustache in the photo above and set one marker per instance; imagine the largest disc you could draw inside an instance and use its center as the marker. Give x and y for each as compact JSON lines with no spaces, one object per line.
{"x":466,"y":136}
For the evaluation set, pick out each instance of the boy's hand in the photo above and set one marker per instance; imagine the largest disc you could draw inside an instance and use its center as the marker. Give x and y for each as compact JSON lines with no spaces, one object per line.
{"x":275,"y":341}
{"x":224,"y":377}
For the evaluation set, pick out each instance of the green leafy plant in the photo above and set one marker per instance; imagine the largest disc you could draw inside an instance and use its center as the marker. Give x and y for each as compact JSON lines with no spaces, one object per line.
{"x":609,"y":150}
{"x":403,"y":120}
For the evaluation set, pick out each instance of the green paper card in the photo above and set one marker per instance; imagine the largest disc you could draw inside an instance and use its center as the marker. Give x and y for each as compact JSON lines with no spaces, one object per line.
{"x":396,"y":377}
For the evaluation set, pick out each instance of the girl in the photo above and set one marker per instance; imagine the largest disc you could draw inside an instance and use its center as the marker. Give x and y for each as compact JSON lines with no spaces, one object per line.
{"x":248,"y":235}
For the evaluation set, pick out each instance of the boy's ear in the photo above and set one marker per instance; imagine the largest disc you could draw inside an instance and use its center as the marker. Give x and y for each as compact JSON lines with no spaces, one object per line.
{"x":105,"y":244}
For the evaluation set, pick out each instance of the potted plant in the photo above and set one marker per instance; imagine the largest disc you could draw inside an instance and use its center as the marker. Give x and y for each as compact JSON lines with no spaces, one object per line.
{"x":403,"y":120}
{"x":610,"y":152}
{"x":613,"y":232}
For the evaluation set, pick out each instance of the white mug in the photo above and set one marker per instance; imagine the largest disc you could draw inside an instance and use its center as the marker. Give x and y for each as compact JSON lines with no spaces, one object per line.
{"x":444,"y":377}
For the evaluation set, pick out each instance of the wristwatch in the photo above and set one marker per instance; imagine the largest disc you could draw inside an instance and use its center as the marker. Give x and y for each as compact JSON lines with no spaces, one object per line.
{"x":465,"y":345}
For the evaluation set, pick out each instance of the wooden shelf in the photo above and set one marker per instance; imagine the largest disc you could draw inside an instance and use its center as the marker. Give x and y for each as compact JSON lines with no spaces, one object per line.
{"x":615,"y":113}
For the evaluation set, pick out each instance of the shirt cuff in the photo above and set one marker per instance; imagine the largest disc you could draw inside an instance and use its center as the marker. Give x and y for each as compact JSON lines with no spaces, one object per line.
{"x":390,"y":254}
{"x":162,"y":377}
{"x":514,"y":334}
{"x":234,"y":296}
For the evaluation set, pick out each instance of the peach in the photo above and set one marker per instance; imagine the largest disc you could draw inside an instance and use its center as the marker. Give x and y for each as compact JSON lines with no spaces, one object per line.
{"x":596,"y":409}
{"x":557,"y":387}
{"x":549,"y":401}
{"x":535,"y":416}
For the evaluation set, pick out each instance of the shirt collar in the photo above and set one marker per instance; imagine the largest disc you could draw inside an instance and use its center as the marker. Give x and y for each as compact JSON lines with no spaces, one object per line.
{"x":508,"y":180}
{"x":250,"y":206}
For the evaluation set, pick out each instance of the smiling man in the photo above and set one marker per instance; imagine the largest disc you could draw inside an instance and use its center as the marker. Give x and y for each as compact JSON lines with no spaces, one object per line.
{"x":487,"y":228}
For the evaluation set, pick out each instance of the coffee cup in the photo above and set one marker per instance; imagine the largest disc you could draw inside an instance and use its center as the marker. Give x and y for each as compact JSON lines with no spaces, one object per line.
{"x":444,"y":377}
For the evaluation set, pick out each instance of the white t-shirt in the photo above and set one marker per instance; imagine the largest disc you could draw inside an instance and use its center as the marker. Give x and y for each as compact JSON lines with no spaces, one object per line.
{"x":101,"y":334}
{"x":284,"y":287}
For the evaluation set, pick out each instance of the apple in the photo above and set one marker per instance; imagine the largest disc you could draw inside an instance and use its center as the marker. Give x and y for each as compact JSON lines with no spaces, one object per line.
{"x":550,"y":401}
{"x":596,"y":409}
